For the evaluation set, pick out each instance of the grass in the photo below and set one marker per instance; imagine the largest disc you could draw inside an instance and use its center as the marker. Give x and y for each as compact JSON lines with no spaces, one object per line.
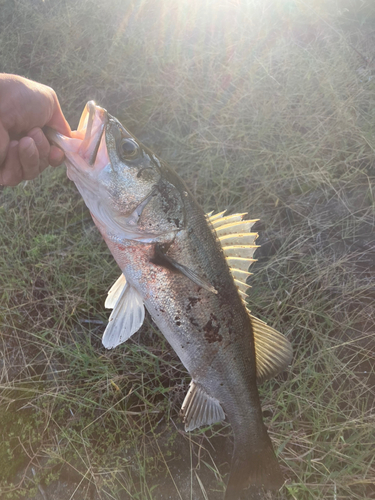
{"x":265,"y":107}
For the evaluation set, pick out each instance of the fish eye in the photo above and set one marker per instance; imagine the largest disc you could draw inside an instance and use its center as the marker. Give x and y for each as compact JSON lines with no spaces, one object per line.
{"x":129,"y":149}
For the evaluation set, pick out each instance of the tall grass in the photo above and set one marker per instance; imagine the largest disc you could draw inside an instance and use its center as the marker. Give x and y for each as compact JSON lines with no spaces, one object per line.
{"x":261,"y":106}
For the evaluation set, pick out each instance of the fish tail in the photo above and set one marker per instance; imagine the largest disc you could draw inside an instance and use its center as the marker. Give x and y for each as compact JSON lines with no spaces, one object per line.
{"x":259,"y":468}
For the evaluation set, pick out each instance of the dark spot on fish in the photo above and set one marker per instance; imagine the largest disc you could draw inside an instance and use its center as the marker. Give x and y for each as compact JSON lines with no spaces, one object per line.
{"x":193,"y":321}
{"x":230,"y":322}
{"x":170,"y":201}
{"x":177,"y":222}
{"x":178,"y":323}
{"x":192,"y":302}
{"x":212,"y":330}
{"x":176,"y":318}
{"x":221,"y":384}
{"x":227,"y":344}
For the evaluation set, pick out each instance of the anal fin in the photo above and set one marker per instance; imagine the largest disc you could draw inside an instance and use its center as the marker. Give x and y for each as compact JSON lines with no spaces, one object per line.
{"x":199,"y":408}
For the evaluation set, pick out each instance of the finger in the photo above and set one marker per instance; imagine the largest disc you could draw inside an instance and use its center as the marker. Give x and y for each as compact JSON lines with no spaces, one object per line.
{"x":4,"y":143}
{"x":56,"y":156}
{"x":11,"y":172}
{"x":58,"y":120}
{"x":29,"y":158}
{"x":42,"y":145}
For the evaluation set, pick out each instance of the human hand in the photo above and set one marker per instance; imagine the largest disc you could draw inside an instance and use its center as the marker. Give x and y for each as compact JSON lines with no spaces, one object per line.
{"x":25,"y":107}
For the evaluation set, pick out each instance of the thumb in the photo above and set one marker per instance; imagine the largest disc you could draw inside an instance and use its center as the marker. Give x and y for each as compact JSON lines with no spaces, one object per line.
{"x":58,"y":120}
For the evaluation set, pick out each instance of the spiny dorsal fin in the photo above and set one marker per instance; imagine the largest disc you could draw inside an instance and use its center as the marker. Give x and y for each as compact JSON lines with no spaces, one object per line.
{"x":199,"y":408}
{"x":273,"y":351}
{"x":240,"y":275}
{"x":238,"y":239}
{"x":243,"y":251}
{"x":234,"y":225}
{"x":221,"y":219}
{"x":237,"y":242}
{"x":215,"y":216}
{"x":240,"y":263}
{"x":241,"y":285}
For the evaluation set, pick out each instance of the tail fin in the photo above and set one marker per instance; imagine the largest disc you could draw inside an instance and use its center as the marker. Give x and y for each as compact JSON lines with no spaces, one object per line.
{"x":259,"y":468}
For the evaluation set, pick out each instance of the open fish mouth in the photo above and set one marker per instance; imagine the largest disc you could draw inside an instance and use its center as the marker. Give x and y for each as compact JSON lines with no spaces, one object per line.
{"x":92,"y":123}
{"x":86,"y":148}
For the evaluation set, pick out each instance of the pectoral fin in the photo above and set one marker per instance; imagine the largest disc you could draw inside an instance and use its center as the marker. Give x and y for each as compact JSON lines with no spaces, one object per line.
{"x":127,"y":316}
{"x":161,"y":259}
{"x":193,"y":276}
{"x":199,"y":408}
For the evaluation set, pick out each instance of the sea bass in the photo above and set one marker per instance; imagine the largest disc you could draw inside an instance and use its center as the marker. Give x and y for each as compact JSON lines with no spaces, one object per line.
{"x":189,"y":270}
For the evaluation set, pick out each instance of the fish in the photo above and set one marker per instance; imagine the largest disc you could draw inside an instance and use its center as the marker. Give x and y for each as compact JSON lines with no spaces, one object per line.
{"x":189,"y":270}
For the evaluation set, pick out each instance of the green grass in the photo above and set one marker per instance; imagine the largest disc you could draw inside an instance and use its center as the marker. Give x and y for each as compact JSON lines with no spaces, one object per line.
{"x":265,"y":107}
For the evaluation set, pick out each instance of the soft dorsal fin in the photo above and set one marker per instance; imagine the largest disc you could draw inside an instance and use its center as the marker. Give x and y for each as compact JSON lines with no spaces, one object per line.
{"x":273,"y":351}
{"x":199,"y":408}
{"x":127,"y":316}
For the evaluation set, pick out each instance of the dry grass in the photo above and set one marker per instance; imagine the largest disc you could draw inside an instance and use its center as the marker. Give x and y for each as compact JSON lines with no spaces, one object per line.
{"x":262,"y":106}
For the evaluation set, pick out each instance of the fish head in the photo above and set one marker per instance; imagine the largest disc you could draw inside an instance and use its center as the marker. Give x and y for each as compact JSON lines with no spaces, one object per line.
{"x":121,"y":181}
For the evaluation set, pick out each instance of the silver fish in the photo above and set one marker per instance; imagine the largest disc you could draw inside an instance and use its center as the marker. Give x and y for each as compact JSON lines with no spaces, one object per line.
{"x":189,"y":270}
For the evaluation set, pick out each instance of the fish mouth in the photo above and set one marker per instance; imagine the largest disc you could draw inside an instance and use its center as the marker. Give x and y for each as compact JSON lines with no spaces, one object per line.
{"x":92,"y":123}
{"x":85,"y":149}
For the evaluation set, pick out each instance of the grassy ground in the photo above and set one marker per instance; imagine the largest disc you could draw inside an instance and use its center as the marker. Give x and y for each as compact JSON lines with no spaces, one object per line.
{"x":261,"y":106}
